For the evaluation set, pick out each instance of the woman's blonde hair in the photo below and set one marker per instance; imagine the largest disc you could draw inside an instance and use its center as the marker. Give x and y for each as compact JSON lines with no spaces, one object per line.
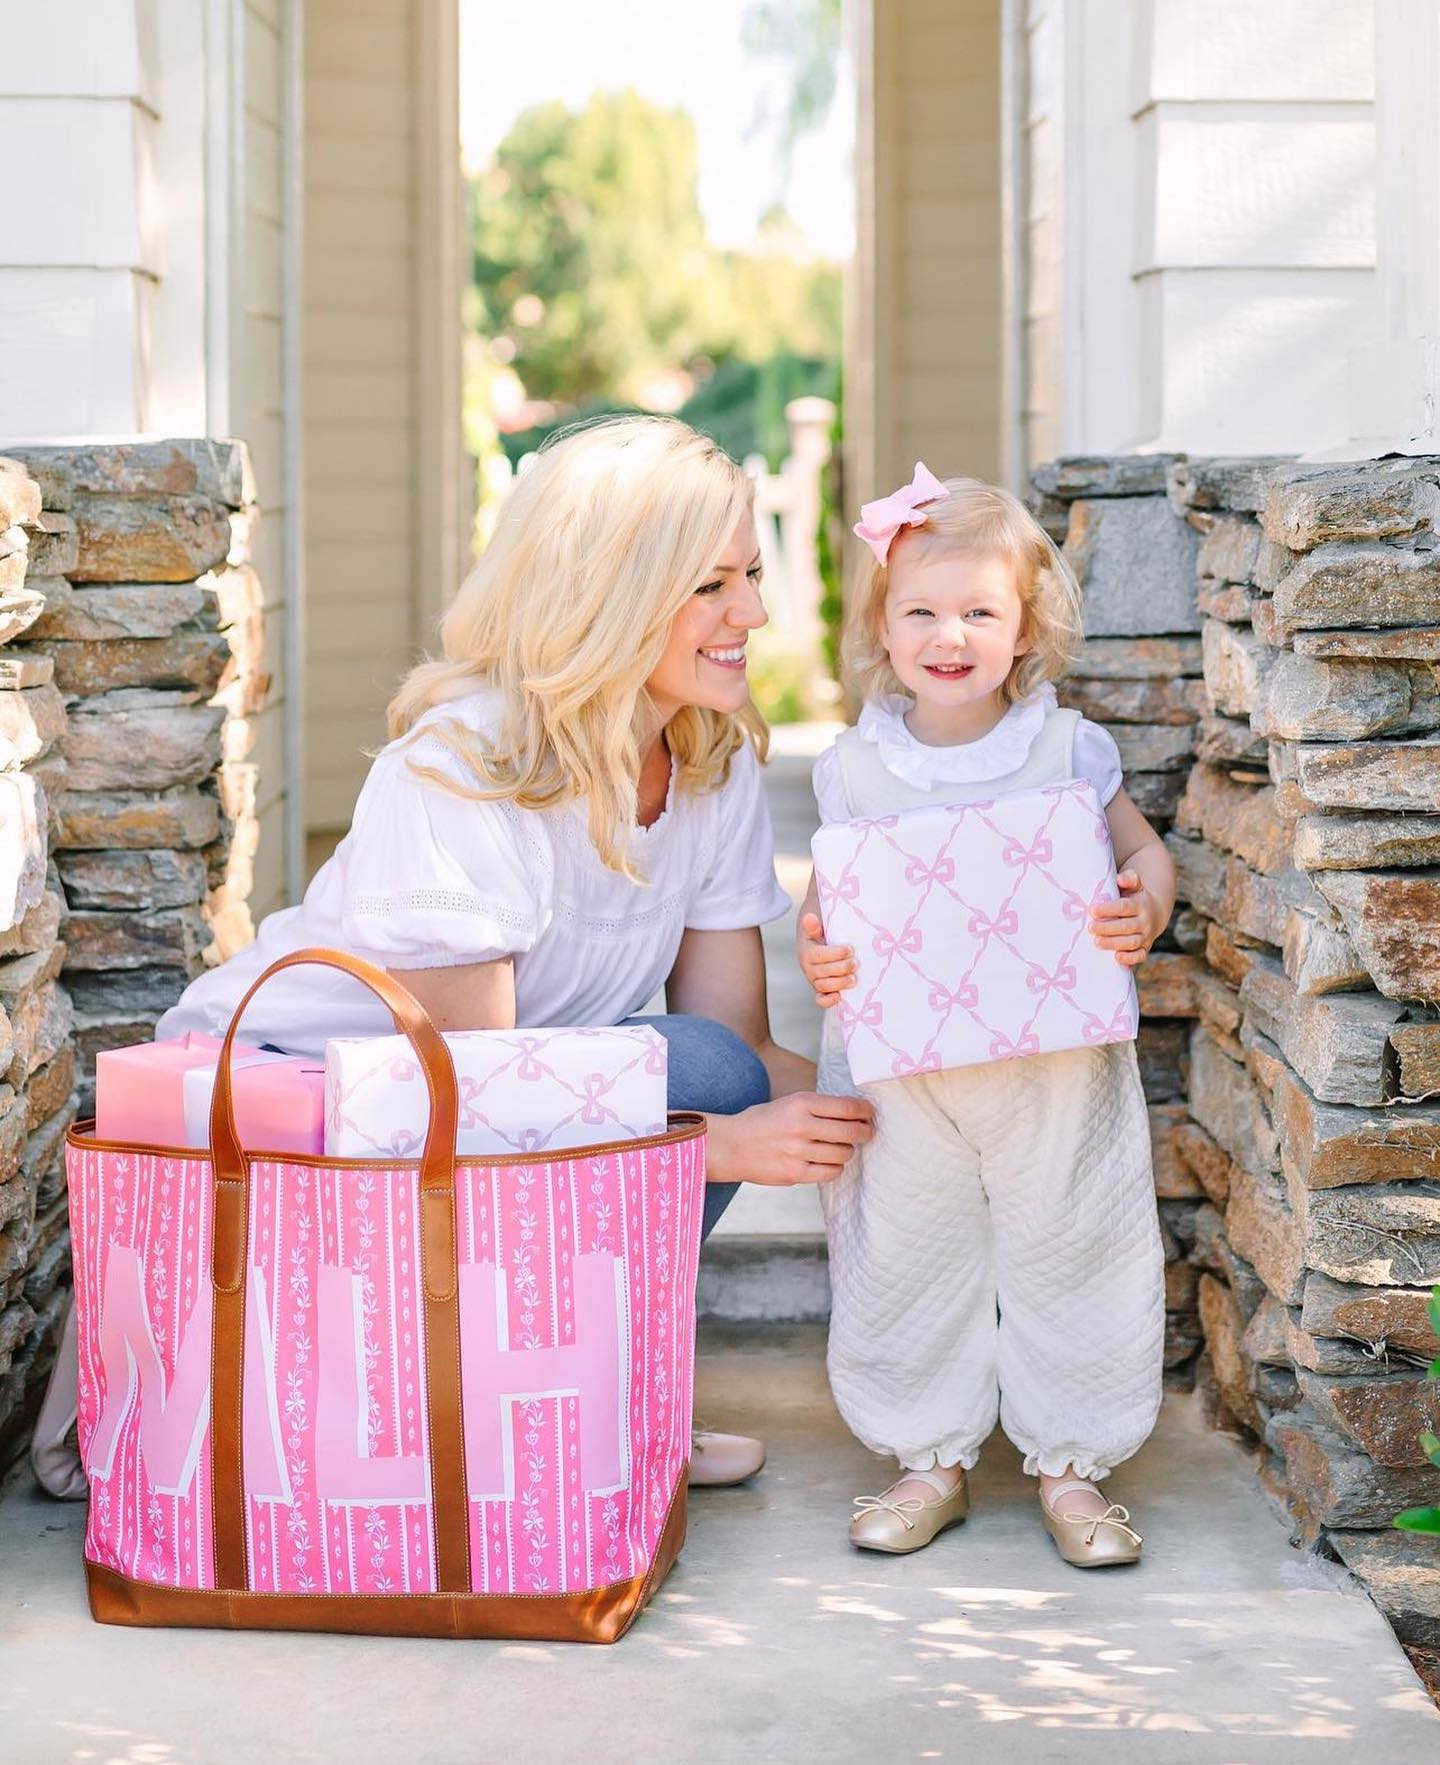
{"x":565,"y":615}
{"x":972,"y":520}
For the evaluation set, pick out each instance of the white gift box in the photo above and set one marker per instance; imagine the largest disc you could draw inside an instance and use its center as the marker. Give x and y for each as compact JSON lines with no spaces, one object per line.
{"x":521,"y":1091}
{"x":970,"y":926}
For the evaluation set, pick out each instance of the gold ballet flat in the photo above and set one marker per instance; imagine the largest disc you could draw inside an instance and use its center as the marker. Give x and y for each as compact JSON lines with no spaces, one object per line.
{"x":881,"y":1523}
{"x":1091,"y":1541}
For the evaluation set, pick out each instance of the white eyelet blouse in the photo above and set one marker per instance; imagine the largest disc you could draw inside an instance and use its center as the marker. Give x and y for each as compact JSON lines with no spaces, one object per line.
{"x":428,"y":879}
{"x":1002,"y":750}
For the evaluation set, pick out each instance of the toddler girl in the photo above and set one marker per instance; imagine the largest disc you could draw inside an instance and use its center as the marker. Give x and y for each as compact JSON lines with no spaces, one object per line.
{"x":995,"y":1249}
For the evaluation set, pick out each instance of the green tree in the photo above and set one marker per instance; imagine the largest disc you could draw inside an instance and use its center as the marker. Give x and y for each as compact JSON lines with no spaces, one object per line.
{"x":588,"y":245}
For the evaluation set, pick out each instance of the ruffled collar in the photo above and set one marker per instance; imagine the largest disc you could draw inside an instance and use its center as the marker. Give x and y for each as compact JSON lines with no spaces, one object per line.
{"x":1003,"y":750}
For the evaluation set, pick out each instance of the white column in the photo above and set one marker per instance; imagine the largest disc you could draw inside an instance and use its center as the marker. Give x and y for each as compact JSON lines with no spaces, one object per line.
{"x":80,"y":250}
{"x":1394,"y":380}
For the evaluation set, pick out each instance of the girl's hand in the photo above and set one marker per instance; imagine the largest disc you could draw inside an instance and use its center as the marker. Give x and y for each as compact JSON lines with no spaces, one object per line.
{"x":1130,"y":925}
{"x":829,"y":968}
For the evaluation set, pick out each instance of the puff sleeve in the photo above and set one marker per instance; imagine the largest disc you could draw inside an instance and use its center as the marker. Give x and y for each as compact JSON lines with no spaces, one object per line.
{"x":433,"y":879}
{"x":1095,"y":756}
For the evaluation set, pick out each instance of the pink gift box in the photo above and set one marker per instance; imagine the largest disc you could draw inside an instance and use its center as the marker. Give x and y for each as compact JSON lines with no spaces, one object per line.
{"x":158,"y":1094}
{"x":970,"y":926}
{"x":520,"y":1091}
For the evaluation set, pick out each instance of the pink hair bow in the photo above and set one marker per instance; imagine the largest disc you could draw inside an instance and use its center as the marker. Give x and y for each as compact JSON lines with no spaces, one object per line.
{"x":881,"y":520}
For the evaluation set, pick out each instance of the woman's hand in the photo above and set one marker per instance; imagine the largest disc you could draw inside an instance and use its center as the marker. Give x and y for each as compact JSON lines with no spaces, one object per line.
{"x":802,"y":1138}
{"x":1130,"y":925}
{"x":829,"y":968}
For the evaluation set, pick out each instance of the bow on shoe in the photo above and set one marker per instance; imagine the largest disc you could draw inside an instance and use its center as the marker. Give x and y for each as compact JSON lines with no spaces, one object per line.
{"x":879,"y":1504}
{"x":1114,"y":1515}
{"x":881,"y":520}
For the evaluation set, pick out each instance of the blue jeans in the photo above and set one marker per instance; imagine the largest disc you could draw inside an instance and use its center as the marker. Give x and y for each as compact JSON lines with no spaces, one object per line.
{"x":711,"y":1070}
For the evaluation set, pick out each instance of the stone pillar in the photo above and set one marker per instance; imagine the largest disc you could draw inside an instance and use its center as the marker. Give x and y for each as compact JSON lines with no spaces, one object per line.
{"x":1139,"y":675}
{"x":37,"y":1059}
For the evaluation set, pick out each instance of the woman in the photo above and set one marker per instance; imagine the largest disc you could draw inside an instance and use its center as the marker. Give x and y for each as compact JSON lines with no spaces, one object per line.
{"x":569,"y":816}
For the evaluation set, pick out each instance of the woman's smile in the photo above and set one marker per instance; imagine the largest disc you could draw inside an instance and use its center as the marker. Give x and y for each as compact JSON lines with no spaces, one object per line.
{"x":732,"y":658}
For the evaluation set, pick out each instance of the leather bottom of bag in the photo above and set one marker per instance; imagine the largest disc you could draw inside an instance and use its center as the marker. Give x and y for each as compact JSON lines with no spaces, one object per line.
{"x":602,"y":1614}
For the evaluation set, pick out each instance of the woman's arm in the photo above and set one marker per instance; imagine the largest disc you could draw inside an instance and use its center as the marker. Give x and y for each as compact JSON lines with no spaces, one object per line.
{"x":798,"y":1137}
{"x":470,"y":996}
{"x":1146,"y":877}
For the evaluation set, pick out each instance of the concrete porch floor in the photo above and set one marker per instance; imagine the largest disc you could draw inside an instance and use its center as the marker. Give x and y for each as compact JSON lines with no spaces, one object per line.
{"x":773,"y":1640}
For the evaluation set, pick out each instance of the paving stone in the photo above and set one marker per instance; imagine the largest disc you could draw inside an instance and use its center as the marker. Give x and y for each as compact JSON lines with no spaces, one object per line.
{"x":1337,"y":1043}
{"x":23,"y":822}
{"x":1218,"y":1008}
{"x":1345,"y":584}
{"x":1265,"y":1342}
{"x":1155,"y":794}
{"x":54,"y":548}
{"x":138,"y":995}
{"x":1360,"y":842}
{"x":19,"y":609}
{"x":14,"y":557}
{"x":149,"y":539}
{"x":1319,"y":959}
{"x":1161,"y":1051}
{"x":1174,"y":1180}
{"x":1136,"y":566}
{"x":1383,"y":1319}
{"x":1232,"y":482}
{"x":1138,"y":658}
{"x":1231,"y":961}
{"x":1305,"y":507}
{"x":1199,"y":872}
{"x":1392,"y":917}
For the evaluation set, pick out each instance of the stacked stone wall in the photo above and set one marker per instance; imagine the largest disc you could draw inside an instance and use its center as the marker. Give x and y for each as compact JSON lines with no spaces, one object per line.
{"x":132,"y":662}
{"x":1139,"y":674}
{"x":1307,"y":843}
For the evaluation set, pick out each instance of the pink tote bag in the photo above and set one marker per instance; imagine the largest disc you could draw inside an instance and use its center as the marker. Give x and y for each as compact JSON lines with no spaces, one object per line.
{"x":424,"y":1397}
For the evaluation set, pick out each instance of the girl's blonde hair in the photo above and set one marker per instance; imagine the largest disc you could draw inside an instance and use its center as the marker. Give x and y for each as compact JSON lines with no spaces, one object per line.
{"x":565,"y":616}
{"x":972,"y":520}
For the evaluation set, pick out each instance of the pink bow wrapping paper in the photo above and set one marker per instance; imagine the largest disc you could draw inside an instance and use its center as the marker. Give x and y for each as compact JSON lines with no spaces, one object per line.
{"x":521,"y":1091}
{"x":970,"y":926}
{"x":158,"y":1094}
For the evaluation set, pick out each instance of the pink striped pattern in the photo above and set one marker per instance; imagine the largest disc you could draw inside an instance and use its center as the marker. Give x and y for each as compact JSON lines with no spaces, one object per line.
{"x":337,"y":1490}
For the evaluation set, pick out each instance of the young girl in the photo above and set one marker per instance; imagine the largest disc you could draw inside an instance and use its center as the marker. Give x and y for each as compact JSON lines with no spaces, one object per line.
{"x":995,"y":1249}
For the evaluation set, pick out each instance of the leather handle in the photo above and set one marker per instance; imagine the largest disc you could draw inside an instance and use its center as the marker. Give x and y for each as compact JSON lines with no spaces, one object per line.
{"x":230,"y":1179}
{"x":437,"y":1161}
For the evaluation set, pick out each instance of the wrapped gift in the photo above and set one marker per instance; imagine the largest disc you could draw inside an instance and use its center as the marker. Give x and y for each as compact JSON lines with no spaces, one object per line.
{"x":158,"y":1094}
{"x":520,"y":1091}
{"x":970,"y":926}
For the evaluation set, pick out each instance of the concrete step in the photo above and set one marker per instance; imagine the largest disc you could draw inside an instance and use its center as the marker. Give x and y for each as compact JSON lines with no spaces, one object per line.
{"x":765,"y":1277}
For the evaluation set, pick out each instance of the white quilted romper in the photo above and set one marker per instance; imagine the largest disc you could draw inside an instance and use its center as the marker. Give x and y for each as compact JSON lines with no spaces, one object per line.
{"x":995,"y":1249}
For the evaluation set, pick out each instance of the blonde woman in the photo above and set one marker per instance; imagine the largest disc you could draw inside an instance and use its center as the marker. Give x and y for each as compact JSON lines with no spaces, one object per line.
{"x":995,"y":1251}
{"x":569,"y":815}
